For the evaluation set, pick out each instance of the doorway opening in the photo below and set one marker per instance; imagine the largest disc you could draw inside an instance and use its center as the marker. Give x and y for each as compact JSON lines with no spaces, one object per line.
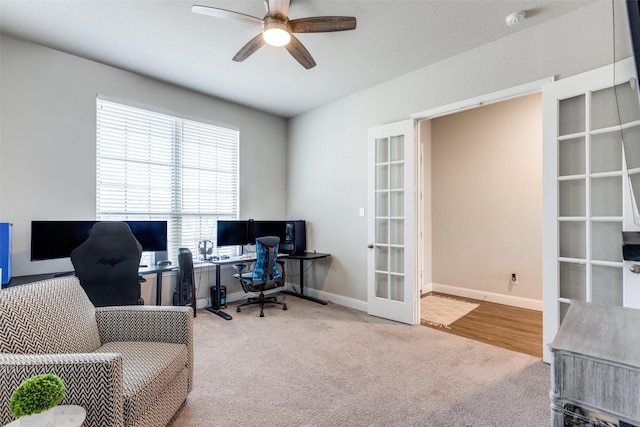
{"x":482,"y":216}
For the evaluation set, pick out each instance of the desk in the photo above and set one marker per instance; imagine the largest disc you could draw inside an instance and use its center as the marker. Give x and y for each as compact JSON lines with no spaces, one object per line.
{"x":154,"y":269}
{"x":158,"y":270}
{"x":305,"y":256}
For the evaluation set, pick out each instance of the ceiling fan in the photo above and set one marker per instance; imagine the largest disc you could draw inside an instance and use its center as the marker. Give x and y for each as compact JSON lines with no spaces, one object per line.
{"x":277,"y":29}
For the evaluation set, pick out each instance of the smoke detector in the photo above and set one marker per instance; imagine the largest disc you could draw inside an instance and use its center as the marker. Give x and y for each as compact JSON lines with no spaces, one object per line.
{"x":515,"y":18}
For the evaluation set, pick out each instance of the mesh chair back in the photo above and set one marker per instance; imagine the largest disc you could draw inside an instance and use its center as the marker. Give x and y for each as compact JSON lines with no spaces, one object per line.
{"x":266,"y":270}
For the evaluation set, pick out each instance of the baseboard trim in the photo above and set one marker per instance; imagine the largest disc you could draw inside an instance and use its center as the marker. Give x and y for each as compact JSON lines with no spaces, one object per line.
{"x":327,"y":296}
{"x":331,"y":297}
{"x":429,"y":287}
{"x":511,"y":300}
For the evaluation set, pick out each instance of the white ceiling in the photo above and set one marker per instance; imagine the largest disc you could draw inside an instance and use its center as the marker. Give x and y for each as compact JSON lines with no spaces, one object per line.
{"x":165,"y":40}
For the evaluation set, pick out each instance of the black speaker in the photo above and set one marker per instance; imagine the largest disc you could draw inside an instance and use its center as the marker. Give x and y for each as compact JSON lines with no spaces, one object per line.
{"x":295,"y":241}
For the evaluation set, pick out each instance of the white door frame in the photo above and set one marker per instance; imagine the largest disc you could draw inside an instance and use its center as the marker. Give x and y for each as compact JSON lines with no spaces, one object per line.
{"x":457,"y":107}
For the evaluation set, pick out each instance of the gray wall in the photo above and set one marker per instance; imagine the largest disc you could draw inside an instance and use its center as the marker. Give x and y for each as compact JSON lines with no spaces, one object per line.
{"x":327,"y":146}
{"x":47,"y":144}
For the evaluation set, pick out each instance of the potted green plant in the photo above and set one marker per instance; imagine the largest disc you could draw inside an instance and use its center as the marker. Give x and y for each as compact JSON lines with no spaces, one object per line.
{"x":34,"y":398}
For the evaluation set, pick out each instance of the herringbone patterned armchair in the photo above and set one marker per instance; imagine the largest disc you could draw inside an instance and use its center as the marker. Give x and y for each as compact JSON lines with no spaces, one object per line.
{"x":127,"y":366}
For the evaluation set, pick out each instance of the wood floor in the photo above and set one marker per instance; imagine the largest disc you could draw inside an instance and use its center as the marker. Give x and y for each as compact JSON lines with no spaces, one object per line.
{"x":513,"y":328}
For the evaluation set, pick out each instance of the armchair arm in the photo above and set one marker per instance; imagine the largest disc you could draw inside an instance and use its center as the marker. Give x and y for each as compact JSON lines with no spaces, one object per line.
{"x":92,"y":380}
{"x":145,"y":323}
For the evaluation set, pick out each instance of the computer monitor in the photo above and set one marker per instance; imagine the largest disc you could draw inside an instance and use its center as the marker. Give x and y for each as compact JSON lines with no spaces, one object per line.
{"x":231,"y":233}
{"x":267,"y":228}
{"x":57,"y":239}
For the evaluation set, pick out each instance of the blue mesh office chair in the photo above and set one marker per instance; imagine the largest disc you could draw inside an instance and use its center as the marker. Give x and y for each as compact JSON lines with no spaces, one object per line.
{"x":266,"y":274}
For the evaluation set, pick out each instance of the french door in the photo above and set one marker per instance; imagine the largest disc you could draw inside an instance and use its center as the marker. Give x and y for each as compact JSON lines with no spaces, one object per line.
{"x":391,"y":289}
{"x":590,"y":157}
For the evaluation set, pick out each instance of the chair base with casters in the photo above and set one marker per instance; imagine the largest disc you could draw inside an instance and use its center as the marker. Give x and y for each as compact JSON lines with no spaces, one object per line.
{"x":262,"y":299}
{"x":267,"y":274}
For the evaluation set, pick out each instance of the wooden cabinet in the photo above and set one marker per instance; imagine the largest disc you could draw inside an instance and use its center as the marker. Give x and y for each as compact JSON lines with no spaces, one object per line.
{"x":595,"y":368}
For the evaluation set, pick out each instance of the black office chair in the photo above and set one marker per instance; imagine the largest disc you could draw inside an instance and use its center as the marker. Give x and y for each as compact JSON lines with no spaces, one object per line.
{"x":185,"y":293}
{"x":266,"y":274}
{"x":107,"y":265}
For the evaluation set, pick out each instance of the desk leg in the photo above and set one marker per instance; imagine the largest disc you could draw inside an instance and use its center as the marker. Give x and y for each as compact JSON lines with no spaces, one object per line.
{"x":301,"y":294}
{"x":159,"y":288}
{"x":218,"y":292}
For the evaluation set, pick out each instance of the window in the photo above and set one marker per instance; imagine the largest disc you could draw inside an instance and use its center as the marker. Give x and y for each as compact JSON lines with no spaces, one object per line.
{"x":156,"y":166}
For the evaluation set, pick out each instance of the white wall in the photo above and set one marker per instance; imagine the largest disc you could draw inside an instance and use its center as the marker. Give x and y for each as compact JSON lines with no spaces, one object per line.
{"x":47,"y":141}
{"x":327,"y":146}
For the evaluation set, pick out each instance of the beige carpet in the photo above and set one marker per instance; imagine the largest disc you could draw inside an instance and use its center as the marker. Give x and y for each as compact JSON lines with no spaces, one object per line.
{"x":442,"y":311}
{"x":316,"y":365}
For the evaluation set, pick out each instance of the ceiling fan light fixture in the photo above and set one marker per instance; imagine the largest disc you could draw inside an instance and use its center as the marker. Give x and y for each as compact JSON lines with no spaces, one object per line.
{"x":276,"y":33}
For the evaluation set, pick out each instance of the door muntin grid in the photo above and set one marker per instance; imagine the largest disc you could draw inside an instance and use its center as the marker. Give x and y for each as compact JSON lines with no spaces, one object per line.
{"x":389,"y":217}
{"x":591,"y":173}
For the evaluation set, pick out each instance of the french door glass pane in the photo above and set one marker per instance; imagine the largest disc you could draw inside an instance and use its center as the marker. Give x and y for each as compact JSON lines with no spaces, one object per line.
{"x":606,"y":196}
{"x":382,"y":203}
{"x":611,"y":106}
{"x":606,"y":285}
{"x":382,"y":177}
{"x":573,"y":242}
{"x":382,"y":258}
{"x":571,"y":115}
{"x":631,"y":136}
{"x":396,"y":286}
{"x":397,"y":176}
{"x":571,"y":156}
{"x":573,"y":281}
{"x":382,"y":285}
{"x":572,"y":198}
{"x":396,"y":260}
{"x":606,"y":241}
{"x":382,"y":231}
{"x":397,"y":204}
{"x":564,"y":307}
{"x":382,"y":150}
{"x":397,"y":148}
{"x":606,"y":152}
{"x":396,"y":235}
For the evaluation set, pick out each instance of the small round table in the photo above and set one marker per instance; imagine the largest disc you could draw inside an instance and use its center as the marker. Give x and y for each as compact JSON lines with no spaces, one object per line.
{"x":64,"y":416}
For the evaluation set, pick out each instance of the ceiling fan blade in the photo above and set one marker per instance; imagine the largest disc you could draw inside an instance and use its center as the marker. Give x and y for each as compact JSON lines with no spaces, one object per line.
{"x":225,"y":14}
{"x":278,"y":8}
{"x":248,"y":49}
{"x":323,"y":24}
{"x":300,"y":53}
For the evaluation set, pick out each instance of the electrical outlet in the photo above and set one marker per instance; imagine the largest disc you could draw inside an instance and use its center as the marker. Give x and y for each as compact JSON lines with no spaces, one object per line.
{"x":514,"y":279}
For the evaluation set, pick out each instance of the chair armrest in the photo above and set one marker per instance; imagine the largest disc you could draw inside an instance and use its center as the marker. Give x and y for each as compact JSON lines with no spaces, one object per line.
{"x":146,"y":323}
{"x":92,"y":380}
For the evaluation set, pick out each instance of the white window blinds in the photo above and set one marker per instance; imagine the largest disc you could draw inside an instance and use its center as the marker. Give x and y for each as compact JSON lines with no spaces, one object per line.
{"x":156,"y":166}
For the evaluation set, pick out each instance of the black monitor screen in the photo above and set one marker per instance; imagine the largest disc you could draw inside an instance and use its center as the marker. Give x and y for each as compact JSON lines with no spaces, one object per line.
{"x":152,"y":235}
{"x":267,"y":228}
{"x":231,"y":233}
{"x":57,"y":239}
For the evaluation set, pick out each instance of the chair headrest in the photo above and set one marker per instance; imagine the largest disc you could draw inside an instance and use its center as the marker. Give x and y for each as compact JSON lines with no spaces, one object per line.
{"x":110,"y":228}
{"x":269,"y":241}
